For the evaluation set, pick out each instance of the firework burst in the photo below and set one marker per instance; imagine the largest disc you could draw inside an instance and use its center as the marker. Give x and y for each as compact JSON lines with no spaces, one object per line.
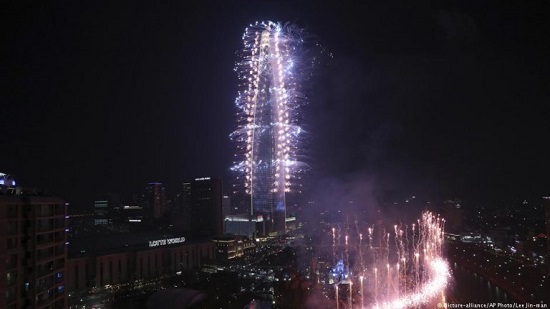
{"x":401,"y":267}
{"x":268,"y":133}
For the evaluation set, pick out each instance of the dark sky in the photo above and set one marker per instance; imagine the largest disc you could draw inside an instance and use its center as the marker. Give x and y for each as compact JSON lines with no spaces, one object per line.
{"x":445,"y":98}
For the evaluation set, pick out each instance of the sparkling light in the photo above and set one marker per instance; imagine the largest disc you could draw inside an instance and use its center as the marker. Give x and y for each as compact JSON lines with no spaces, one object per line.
{"x":439,"y":274}
{"x":268,"y":134}
{"x":404,"y":269}
{"x":269,"y":49}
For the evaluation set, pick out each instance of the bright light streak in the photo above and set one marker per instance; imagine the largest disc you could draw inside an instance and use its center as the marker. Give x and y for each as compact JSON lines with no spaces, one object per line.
{"x":439,"y":273}
{"x":406,"y":268}
{"x":268,"y":103}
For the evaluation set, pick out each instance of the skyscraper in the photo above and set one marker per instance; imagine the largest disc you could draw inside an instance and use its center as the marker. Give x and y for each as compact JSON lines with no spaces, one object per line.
{"x":453,"y":214}
{"x":205,"y":210}
{"x":101,"y":212}
{"x":226,"y":206}
{"x":154,"y":200}
{"x":268,"y":131}
{"x":181,"y":214}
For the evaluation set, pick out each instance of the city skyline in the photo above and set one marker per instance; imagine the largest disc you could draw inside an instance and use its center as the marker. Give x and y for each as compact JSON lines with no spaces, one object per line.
{"x":422,"y":127}
{"x":445,"y":101}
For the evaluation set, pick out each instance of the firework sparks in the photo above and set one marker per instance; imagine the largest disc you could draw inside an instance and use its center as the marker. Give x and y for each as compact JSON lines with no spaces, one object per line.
{"x":439,"y":275}
{"x":401,"y":272}
{"x":268,"y":133}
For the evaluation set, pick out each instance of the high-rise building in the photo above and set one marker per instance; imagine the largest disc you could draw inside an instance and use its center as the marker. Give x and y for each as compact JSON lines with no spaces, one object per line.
{"x":107,"y":213}
{"x":101,"y":212}
{"x":32,"y":272}
{"x":205,"y":210}
{"x":240,"y":204}
{"x":181,"y":213}
{"x":226,"y":206}
{"x":268,"y":131}
{"x":154,"y":200}
{"x":453,"y":214}
{"x":133,"y":218}
{"x":183,"y":199}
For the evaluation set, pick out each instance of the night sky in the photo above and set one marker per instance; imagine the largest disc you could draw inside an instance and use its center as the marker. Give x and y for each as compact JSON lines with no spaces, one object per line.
{"x":440,"y":98}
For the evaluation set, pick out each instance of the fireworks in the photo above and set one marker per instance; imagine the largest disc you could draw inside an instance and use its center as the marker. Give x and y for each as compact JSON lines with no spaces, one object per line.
{"x":268,"y":133}
{"x":401,"y":269}
{"x":438,"y":272}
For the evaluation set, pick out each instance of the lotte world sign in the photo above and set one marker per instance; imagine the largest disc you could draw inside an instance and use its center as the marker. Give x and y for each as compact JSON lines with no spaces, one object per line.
{"x":166,"y":241}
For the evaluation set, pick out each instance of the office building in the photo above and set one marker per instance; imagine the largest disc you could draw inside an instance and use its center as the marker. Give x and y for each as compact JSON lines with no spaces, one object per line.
{"x":226,"y":207}
{"x":181,"y":212}
{"x":101,"y":213}
{"x":452,"y":212}
{"x":205,"y":208}
{"x":154,"y":200}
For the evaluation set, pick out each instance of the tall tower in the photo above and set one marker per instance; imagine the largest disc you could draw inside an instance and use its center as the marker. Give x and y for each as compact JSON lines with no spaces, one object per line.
{"x":268,"y":130}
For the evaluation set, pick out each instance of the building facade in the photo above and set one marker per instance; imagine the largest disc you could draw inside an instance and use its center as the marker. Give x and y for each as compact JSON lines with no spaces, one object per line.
{"x":154,"y":200}
{"x":33,"y":238}
{"x":230,"y":247}
{"x":126,"y":259}
{"x":453,"y":214}
{"x":202,"y":208}
{"x":102,"y":213}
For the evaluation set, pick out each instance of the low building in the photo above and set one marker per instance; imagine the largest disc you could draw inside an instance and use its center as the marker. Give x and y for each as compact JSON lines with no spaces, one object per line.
{"x":229,"y":247}
{"x":122,"y":258}
{"x":244,"y":225}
